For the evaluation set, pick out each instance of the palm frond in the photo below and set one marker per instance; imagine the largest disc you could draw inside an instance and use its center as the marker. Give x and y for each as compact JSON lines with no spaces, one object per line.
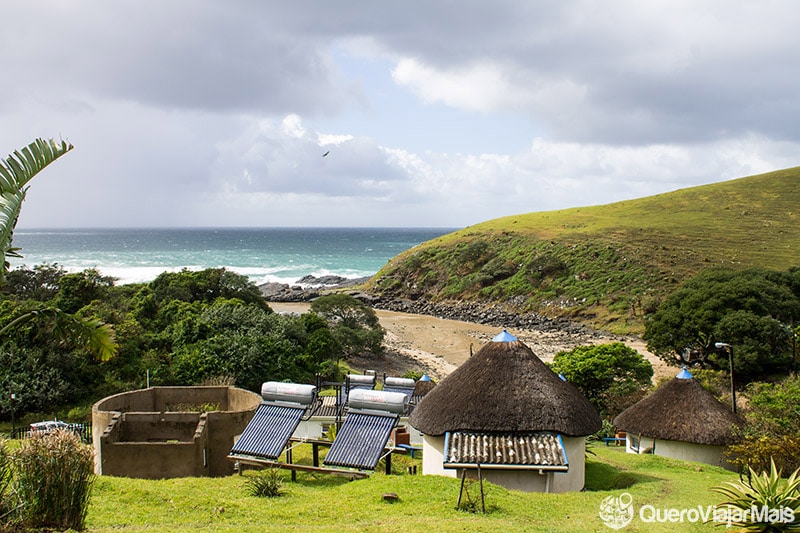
{"x":15,"y":172}
{"x":91,"y":333}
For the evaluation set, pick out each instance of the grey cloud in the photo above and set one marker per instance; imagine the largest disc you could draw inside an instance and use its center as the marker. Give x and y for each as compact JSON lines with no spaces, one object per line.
{"x":651,"y":72}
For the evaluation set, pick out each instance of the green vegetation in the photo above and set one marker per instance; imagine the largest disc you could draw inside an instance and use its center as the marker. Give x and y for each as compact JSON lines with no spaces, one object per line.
{"x":607,"y":265}
{"x":50,"y":478}
{"x":754,"y":310}
{"x":765,"y":490}
{"x":183,"y":328}
{"x":612,"y":376}
{"x":772,"y":432}
{"x":265,"y":484}
{"x":354,"y":325}
{"x":16,"y":171}
{"x":426,"y":503}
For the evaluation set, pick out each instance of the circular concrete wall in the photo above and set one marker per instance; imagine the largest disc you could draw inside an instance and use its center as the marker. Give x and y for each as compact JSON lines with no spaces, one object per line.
{"x":142,"y":433}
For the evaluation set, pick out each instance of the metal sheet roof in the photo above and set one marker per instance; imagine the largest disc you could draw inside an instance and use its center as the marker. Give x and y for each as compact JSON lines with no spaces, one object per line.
{"x":268,"y":432}
{"x":361,"y":440}
{"x":535,"y":451}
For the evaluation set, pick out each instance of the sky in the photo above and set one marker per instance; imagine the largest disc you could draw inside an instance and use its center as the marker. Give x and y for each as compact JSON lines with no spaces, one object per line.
{"x":432,"y":113}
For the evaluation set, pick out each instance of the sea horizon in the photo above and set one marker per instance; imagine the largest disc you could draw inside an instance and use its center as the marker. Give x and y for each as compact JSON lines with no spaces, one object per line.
{"x":262,"y":254}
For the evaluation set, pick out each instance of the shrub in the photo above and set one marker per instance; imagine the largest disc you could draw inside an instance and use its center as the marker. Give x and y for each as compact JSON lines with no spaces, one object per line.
{"x":772,"y":429}
{"x":266,"y":483}
{"x":54,"y":474}
{"x":764,"y":491}
{"x":758,"y":453}
{"x":612,"y":376}
{"x":774,"y":408}
{"x":5,"y":478}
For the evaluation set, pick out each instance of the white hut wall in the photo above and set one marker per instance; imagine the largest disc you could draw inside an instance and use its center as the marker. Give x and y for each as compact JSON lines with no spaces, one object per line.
{"x":685,"y":451}
{"x":573,"y":480}
{"x":433,"y":457}
{"x":414,"y":434}
{"x":638,"y":443}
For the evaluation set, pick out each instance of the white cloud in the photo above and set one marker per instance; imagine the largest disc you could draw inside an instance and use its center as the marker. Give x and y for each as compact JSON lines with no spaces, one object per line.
{"x":194,"y":112}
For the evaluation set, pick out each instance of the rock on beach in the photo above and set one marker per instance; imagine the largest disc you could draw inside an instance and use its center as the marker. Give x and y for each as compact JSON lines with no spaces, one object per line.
{"x":436,"y":337}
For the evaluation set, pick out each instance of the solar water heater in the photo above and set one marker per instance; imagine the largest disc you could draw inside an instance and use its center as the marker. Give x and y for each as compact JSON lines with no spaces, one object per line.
{"x":361,"y":440}
{"x":276,"y":419}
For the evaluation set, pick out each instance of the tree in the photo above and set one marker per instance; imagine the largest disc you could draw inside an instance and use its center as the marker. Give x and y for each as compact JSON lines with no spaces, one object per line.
{"x":41,"y":283}
{"x":16,"y":171}
{"x":354,"y":324}
{"x":206,"y":286}
{"x":750,"y":309}
{"x":612,"y":376}
{"x":81,"y":288}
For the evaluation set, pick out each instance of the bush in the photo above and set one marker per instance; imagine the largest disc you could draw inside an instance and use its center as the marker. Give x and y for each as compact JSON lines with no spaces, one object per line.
{"x":265,"y":484}
{"x":774,"y":408}
{"x":757,"y":453}
{"x":5,"y":478}
{"x":772,"y":429}
{"x":54,"y":474}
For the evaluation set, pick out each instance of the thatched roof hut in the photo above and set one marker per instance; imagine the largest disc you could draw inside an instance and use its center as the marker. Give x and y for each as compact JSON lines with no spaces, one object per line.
{"x":423,"y":386}
{"x":681,"y":410}
{"x":505,"y":387}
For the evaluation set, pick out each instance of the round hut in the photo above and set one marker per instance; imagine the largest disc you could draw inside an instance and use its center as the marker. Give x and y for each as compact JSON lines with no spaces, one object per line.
{"x":682,"y":420}
{"x":506,"y":412}
{"x":422,"y":387}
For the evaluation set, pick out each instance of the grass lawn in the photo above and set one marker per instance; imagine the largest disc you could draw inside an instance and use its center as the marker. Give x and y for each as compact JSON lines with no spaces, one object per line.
{"x":426,"y":503}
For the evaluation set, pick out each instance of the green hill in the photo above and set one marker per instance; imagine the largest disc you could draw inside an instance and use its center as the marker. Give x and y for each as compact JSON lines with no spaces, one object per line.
{"x":606,"y":265}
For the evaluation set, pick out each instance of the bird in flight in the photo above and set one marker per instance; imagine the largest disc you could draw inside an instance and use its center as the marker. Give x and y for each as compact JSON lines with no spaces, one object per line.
{"x":326,"y":153}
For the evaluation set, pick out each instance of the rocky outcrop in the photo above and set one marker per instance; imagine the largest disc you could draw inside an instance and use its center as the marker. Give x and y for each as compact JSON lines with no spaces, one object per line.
{"x":475,"y":312}
{"x":482,"y":313}
{"x":307,"y":288}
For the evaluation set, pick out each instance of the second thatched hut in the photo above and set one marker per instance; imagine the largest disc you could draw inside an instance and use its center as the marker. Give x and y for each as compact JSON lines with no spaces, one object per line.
{"x":682,"y":420}
{"x":506,"y":412}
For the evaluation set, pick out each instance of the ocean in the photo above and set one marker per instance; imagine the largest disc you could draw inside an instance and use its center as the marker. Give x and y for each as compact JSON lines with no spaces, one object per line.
{"x":281,"y":255}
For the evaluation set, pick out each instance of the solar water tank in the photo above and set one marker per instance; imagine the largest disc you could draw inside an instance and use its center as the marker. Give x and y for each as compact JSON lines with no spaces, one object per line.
{"x":376,"y":400}
{"x":275,"y":391}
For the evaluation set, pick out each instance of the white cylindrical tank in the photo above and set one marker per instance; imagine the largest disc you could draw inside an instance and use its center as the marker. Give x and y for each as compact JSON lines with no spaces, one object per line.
{"x":361,"y":379}
{"x":275,"y":391}
{"x":407,"y":383}
{"x":378,"y":400}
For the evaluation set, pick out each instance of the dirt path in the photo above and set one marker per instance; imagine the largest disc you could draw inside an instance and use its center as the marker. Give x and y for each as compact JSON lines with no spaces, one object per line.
{"x":437,"y":346}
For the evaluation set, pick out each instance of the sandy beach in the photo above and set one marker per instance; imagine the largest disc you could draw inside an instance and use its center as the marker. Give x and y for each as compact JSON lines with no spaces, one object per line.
{"x":437,"y":346}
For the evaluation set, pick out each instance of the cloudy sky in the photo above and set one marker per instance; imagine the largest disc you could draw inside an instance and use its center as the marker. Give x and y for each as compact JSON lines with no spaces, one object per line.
{"x":433,"y":113}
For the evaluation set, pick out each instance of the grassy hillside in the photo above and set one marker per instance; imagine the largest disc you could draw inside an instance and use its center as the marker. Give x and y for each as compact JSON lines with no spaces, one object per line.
{"x":606,"y":265}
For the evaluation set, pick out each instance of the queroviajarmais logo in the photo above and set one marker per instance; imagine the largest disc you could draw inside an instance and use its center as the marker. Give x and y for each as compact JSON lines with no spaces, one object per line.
{"x":617,"y":511}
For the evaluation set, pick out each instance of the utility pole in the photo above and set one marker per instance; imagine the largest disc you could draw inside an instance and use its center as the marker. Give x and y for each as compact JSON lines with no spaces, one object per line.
{"x":728,"y":348}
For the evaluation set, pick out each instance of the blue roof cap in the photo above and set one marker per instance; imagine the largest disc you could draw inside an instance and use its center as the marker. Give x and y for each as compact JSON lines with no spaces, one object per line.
{"x":425,"y":377}
{"x":684,"y":374}
{"x":504,"y":337}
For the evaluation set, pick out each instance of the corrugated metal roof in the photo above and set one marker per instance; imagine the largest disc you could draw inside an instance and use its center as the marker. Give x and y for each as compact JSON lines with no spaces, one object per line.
{"x":539,"y":451}
{"x":361,"y":440}
{"x":327,"y":408}
{"x":268,"y":432}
